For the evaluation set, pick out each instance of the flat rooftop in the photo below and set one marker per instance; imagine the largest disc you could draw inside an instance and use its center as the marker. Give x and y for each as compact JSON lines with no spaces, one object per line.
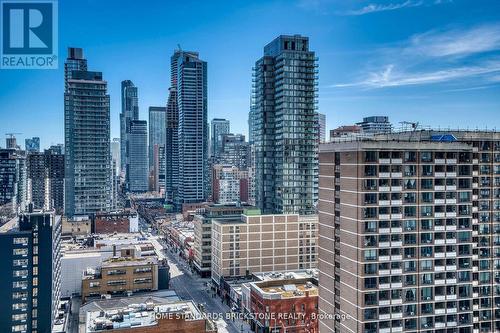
{"x":108,"y":317}
{"x":278,"y":275}
{"x":281,"y":289}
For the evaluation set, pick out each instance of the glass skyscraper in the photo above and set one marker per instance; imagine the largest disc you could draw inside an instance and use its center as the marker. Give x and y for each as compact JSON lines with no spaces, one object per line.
{"x":218,"y":128}
{"x":137,"y":167}
{"x":130,"y":111}
{"x":285,"y":127}
{"x":157,"y":130}
{"x":191,"y":90}
{"x":87,"y":139}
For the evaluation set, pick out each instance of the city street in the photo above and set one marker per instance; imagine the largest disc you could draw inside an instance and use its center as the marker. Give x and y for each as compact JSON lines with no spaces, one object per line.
{"x":189,"y":285}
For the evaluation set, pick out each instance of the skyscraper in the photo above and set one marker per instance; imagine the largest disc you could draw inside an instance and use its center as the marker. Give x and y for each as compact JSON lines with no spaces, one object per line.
{"x":193,"y":127}
{"x":46,"y":180}
{"x":130,"y":111}
{"x":32,"y":144}
{"x":218,"y":128}
{"x":286,"y":139}
{"x":74,"y":62}
{"x":234,"y":151}
{"x":31,"y":266}
{"x":321,"y":126}
{"x":157,"y":129}
{"x":251,"y":122}
{"x":13,"y":181}
{"x":137,"y":167}
{"x":409,"y":230}
{"x":116,"y":154}
{"x":87,"y":142}
{"x":11,"y":141}
{"x":172,"y":135}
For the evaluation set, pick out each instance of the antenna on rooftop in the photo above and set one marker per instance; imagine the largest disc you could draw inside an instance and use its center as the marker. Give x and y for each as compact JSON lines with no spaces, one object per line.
{"x":179,"y":47}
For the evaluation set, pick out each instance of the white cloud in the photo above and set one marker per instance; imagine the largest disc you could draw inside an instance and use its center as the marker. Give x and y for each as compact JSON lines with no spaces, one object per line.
{"x":374,"y":7}
{"x":435,"y":57}
{"x":389,"y":77}
{"x":458,"y":43}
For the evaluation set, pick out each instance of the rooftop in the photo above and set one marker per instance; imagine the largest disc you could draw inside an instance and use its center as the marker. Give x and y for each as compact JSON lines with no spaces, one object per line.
{"x":122,"y":314}
{"x":280,"y":289}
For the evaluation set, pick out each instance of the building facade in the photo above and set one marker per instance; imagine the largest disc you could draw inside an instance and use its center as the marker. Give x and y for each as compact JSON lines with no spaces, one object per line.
{"x":229,"y":184}
{"x":119,"y":275}
{"x":32,"y":144}
{"x":234,"y":151}
{"x":408,"y":233}
{"x":285,"y":124}
{"x":321,"y":127}
{"x":31,"y":261}
{"x":130,"y":111}
{"x":375,"y":125}
{"x":218,"y":128}
{"x":289,"y":305}
{"x":157,"y":129}
{"x":172,"y":135}
{"x":202,"y":222}
{"x":263,"y":243}
{"x":87,"y":141}
{"x":137,"y":166}
{"x":192,"y":128}
{"x":13,"y":178}
{"x":45,"y":177}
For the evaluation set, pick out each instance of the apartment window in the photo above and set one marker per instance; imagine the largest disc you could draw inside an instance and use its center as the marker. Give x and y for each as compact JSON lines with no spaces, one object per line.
{"x":19,"y":295}
{"x":21,"y":241}
{"x":19,"y":306}
{"x":19,"y":328}
{"x":410,"y":156}
{"x":19,"y":317}
{"x":371,"y":298}
{"x":426,"y":293}
{"x":370,"y":254}
{"x":19,"y":284}
{"x":371,"y":226}
{"x":370,"y":283}
{"x":20,"y":252}
{"x":426,"y":156}
{"x":20,"y":262}
{"x":370,"y":170}
{"x":20,"y":273}
{"x":371,"y":156}
{"x":370,"y":268}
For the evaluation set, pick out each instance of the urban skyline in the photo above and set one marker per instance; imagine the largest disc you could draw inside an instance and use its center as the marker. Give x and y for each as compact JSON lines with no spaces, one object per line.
{"x":339,"y":43}
{"x":346,"y":192}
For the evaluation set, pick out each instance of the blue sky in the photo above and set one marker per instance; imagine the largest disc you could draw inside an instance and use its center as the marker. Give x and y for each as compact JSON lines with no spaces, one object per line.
{"x":432,"y":61}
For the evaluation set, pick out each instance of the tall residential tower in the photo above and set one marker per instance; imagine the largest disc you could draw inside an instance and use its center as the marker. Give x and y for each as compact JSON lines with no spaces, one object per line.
{"x":87,"y":139}
{"x":285,"y":125}
{"x":192,"y":135}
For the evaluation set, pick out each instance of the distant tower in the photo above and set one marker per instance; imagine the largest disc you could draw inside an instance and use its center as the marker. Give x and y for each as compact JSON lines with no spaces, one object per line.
{"x":157,"y":130}
{"x":218,"y":128}
{"x":32,"y":144}
{"x":130,"y":111}
{"x":137,"y":167}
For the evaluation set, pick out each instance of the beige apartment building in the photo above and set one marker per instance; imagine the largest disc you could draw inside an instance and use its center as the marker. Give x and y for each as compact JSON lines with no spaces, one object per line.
{"x":263,"y":243}
{"x":409,"y":233}
{"x":121,"y":275}
{"x":202,"y":222}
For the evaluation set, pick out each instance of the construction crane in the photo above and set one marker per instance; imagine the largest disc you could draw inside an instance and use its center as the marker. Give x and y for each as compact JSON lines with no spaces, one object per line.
{"x":12,"y":135}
